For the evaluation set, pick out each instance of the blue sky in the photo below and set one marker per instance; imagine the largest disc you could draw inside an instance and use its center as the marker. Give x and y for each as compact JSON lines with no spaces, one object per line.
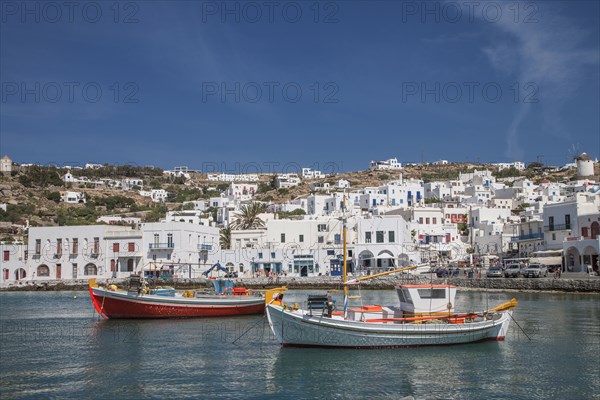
{"x":215,"y":85}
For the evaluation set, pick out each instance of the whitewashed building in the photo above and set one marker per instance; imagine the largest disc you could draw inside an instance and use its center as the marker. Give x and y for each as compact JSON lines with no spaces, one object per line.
{"x":223,"y":177}
{"x":574,"y":226}
{"x":13,"y":262}
{"x":6,"y":165}
{"x":388,"y":165}
{"x":179,"y":249}
{"x":285,"y":181}
{"x":384,"y":242}
{"x":76,"y":252}
{"x":308,"y":173}
{"x":241,"y":191}
{"x":188,"y":216}
{"x":74,"y":198}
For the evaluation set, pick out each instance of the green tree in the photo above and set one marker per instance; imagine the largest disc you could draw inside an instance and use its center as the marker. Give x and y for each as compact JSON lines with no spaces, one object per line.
{"x":507,"y":173}
{"x":53,"y":196}
{"x":248,"y":216}
{"x":288,"y":214}
{"x":156,"y":213}
{"x":225,"y":238}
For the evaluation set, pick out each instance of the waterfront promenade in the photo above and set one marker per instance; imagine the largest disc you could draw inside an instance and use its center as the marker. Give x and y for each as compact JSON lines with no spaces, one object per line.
{"x":574,"y":282}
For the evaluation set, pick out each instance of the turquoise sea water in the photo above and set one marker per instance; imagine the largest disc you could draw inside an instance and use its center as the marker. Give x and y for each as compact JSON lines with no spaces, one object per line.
{"x":55,"y":346}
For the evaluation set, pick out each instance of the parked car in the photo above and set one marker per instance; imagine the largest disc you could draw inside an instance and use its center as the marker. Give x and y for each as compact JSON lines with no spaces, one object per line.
{"x":513,"y":270}
{"x":494,"y":272}
{"x":535,"y":271}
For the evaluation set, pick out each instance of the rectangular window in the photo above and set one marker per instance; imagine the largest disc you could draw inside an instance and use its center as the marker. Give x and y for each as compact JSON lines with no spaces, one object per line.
{"x":131,"y":247}
{"x":427,"y":221}
{"x":367,"y":237}
{"x":391,"y":237}
{"x":567,"y":221}
{"x":115,"y":247}
{"x":420,"y":220}
{"x":59,"y":247}
{"x":337,"y":238}
{"x":170,"y":240}
{"x":432,"y":293}
{"x":260,"y":255}
{"x":321,"y":239}
{"x":379,"y":237}
{"x":96,"y":245}
{"x":551,"y":223}
{"x":272,"y":255}
{"x":322,"y":227}
{"x":301,"y":238}
{"x":330,"y":252}
{"x":434,"y":220}
{"x":38,"y":246}
{"x":75,"y":247}
{"x":6,"y":255}
{"x":156,"y":238}
{"x":283,"y":238}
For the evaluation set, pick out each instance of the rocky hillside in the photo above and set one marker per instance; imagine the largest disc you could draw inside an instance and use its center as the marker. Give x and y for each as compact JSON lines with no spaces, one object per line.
{"x":33,"y":194}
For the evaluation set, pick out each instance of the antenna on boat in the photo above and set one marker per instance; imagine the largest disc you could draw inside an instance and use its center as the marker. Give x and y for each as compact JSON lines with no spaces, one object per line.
{"x":345,"y":258}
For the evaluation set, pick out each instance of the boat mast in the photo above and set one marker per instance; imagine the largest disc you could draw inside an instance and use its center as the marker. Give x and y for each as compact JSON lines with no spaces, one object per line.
{"x":345,"y":262}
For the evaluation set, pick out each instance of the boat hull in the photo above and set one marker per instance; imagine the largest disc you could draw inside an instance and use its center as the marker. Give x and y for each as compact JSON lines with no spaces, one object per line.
{"x":291,"y":328}
{"x":118,"y":304}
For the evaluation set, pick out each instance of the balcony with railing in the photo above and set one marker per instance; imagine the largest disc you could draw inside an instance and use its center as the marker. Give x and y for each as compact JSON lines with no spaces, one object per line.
{"x":204,"y":246}
{"x":161,"y":246}
{"x":557,"y":227}
{"x":527,"y":237}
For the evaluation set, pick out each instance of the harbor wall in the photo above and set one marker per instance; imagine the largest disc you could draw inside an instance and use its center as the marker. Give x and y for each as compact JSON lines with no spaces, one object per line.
{"x":563,"y":284}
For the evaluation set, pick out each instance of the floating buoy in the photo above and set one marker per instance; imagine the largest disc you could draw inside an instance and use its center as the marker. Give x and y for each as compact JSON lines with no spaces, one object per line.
{"x":74,"y":297}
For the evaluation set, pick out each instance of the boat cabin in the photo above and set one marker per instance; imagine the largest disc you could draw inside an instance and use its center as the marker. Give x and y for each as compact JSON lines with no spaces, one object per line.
{"x":415,"y":299}
{"x":426,"y":298}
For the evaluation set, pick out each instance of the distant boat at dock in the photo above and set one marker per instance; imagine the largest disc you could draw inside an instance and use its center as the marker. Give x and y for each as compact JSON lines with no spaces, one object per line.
{"x":138,"y":301}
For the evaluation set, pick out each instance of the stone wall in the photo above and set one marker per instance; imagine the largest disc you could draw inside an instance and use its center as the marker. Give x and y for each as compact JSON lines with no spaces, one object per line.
{"x":582,"y":285}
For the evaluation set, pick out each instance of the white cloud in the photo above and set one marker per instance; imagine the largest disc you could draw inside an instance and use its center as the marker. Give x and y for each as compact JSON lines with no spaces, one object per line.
{"x":551,"y":53}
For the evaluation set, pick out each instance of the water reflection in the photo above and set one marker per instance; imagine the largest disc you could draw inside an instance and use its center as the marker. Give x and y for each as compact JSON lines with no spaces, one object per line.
{"x":66,"y":351}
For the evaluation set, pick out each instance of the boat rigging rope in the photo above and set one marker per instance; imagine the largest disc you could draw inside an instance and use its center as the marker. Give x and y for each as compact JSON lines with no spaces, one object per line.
{"x":102,"y":306}
{"x":261,"y":320}
{"x":522,"y":330}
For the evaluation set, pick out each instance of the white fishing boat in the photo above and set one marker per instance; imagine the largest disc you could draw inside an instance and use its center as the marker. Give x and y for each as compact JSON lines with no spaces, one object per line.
{"x":425,"y":316}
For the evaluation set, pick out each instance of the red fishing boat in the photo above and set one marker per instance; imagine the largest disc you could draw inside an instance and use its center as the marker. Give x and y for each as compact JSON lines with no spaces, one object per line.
{"x":138,"y":301}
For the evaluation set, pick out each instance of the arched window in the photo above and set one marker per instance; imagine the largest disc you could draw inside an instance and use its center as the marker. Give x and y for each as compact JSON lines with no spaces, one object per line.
{"x":20,"y":274}
{"x":43,"y":270}
{"x":595,"y":228}
{"x":90,"y":269}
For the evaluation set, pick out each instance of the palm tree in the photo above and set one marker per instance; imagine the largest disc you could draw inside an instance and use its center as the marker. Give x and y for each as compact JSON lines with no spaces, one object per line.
{"x":247,"y":217}
{"x":225,"y":238}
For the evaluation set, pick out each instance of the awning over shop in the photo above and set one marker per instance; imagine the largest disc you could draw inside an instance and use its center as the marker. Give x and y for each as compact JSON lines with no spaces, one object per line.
{"x":556,"y":260}
{"x":548,"y":253}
